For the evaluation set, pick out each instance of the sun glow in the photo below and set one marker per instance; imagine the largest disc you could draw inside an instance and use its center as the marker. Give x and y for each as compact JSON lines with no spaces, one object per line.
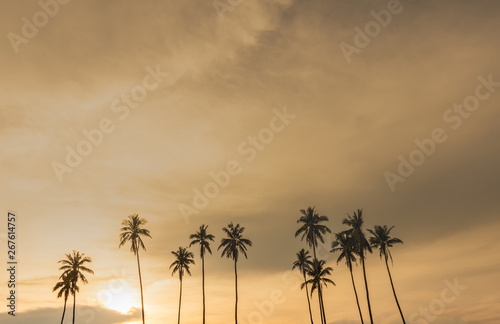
{"x":122,"y":302}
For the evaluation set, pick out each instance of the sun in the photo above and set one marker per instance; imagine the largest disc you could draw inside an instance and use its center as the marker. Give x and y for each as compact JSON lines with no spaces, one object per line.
{"x":122,"y":302}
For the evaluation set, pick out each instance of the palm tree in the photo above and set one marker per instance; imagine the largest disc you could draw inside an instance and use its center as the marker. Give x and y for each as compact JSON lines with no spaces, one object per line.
{"x":304,"y":264}
{"x":233,"y":244}
{"x":65,"y":287}
{"x":361,"y":246}
{"x":183,"y":258}
{"x":382,"y":240}
{"x":311,"y":228}
{"x":203,"y":239}
{"x":132,"y":231}
{"x":318,"y":274}
{"x":345,"y":245}
{"x":73,"y":268}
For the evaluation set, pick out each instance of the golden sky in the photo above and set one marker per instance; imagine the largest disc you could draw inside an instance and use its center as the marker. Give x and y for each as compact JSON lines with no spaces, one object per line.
{"x":301,"y":107}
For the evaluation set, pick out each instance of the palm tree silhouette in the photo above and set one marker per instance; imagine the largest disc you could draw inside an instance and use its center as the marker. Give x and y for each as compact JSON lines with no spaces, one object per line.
{"x":311,"y":228}
{"x":233,"y":245}
{"x":304,"y":264}
{"x":183,"y":258}
{"x":382,"y":240}
{"x":345,"y":245}
{"x":65,"y":287}
{"x":203,"y":239}
{"x":73,"y":268}
{"x":318,"y":274}
{"x":361,"y":244}
{"x":132,"y":232}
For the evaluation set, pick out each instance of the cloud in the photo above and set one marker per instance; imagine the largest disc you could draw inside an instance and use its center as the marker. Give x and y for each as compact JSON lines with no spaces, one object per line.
{"x":84,"y":314}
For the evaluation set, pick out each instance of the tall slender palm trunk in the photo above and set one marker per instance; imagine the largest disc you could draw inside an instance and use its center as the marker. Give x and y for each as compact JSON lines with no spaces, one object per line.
{"x":74,"y":306}
{"x":366,"y":287}
{"x":356,"y":294}
{"x":320,"y":297}
{"x":320,"y":308}
{"x":203,"y":283}
{"x":322,"y":304}
{"x":394,"y":291}
{"x":64,"y":310}
{"x":236,"y":289}
{"x":180,"y":301}
{"x":308,"y":300}
{"x":140,"y":284}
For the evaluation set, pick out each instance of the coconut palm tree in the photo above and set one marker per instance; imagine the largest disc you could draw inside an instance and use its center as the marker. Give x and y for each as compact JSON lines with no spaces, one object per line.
{"x":311,"y":228}
{"x":183,"y":258}
{"x":203,"y":239}
{"x":318,"y":273}
{"x":73,"y":268}
{"x":362,"y":246}
{"x":304,"y":264}
{"x":345,"y":245}
{"x":382,"y":240}
{"x":65,"y":287}
{"x":132,"y":231}
{"x":233,"y":245}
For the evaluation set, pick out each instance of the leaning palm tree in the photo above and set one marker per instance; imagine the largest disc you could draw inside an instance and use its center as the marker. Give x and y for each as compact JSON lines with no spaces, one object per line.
{"x":362,"y":246}
{"x":132,"y":232}
{"x":233,"y":244}
{"x":311,"y":228}
{"x":203,"y":239}
{"x":304,"y":264}
{"x":318,"y":274}
{"x":345,"y":245}
{"x":65,"y":287}
{"x":183,"y":258}
{"x":73,"y":268}
{"x":382,"y":240}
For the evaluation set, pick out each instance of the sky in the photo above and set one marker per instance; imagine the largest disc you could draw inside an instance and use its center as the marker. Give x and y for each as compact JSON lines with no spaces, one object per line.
{"x":121,"y":107}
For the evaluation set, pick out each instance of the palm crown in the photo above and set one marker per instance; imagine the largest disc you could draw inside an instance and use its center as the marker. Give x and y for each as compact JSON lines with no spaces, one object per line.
{"x":203,"y":239}
{"x":234,"y":243}
{"x":382,"y":240}
{"x":311,"y":228}
{"x":132,"y":231}
{"x":183,"y":258}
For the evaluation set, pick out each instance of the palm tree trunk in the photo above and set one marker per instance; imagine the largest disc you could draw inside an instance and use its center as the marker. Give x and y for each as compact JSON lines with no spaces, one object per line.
{"x":180,"y":301}
{"x":356,"y":294}
{"x":64,"y":310}
{"x":322,"y":305}
{"x":74,"y":306}
{"x":366,"y":287}
{"x":394,"y":291}
{"x":140,"y":284}
{"x":308,"y":300}
{"x":236,"y":289}
{"x":203,"y":283}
